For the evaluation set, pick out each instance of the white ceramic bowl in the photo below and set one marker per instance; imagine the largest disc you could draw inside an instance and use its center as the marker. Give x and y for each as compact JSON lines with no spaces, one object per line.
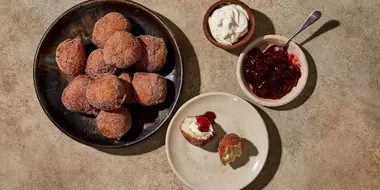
{"x":200,"y":168}
{"x":262,"y":43}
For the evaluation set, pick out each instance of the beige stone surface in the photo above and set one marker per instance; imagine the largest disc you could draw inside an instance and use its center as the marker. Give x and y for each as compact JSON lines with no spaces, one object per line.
{"x":328,"y":139}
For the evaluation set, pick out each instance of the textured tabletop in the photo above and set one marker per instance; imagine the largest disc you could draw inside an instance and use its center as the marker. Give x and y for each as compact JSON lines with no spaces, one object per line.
{"x":328,"y":138}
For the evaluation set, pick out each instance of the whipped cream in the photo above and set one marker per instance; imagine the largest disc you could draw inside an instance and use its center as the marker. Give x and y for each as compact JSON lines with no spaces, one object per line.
{"x":191,"y":127}
{"x":228,"y":23}
{"x":194,"y":127}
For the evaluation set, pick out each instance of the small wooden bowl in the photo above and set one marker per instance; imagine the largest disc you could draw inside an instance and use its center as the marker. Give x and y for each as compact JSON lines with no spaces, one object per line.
{"x":242,"y":40}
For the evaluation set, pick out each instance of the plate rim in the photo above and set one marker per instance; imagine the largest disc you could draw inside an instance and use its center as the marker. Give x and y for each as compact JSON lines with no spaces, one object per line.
{"x":177,"y":50}
{"x":195,"y":99}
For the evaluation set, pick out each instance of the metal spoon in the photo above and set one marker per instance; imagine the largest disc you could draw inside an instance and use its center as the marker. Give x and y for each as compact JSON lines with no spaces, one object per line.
{"x":309,"y":21}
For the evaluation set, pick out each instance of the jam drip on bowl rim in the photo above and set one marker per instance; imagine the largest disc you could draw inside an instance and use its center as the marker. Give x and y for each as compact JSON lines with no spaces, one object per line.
{"x":271,"y":74}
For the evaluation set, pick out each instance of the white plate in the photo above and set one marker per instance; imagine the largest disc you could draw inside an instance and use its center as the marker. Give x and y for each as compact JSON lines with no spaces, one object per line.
{"x":200,"y":168}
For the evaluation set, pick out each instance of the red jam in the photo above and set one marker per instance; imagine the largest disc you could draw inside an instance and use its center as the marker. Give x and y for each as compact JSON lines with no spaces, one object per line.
{"x":210,"y":116}
{"x":203,"y":123}
{"x":271,"y":74}
{"x":291,"y":58}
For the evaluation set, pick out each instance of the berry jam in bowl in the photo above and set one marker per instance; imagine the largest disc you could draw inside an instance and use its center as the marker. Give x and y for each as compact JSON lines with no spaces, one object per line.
{"x":272,"y":77}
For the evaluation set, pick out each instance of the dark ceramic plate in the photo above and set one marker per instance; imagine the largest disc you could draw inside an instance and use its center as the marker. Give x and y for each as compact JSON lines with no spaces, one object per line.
{"x":49,"y":81}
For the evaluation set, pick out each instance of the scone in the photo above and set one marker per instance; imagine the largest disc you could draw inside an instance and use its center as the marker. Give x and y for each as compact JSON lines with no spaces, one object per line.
{"x":106,"y":26}
{"x":114,"y":124}
{"x":96,"y":65}
{"x":70,"y":56}
{"x":106,"y":92}
{"x":197,"y":130}
{"x":154,"y":54}
{"x":229,"y":148}
{"x":150,"y":89}
{"x":122,"y":50}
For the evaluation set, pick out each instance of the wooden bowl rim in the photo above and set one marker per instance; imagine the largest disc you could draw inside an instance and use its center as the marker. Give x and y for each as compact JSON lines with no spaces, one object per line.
{"x":243,"y":40}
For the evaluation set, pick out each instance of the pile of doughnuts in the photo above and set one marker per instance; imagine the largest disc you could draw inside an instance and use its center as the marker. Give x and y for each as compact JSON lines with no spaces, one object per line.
{"x":102,"y":83}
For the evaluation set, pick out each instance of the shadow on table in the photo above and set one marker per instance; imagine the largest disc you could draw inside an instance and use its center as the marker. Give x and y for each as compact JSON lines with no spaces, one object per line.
{"x":191,"y":72}
{"x":329,"y":25}
{"x":274,"y":154}
{"x":190,"y":88}
{"x":249,"y":151}
{"x":264,"y":26}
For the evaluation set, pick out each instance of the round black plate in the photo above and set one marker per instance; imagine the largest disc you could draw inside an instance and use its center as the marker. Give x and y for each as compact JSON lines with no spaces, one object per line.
{"x":49,"y":81}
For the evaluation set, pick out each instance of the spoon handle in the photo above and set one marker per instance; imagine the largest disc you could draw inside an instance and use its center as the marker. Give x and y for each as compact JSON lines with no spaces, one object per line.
{"x":309,"y":21}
